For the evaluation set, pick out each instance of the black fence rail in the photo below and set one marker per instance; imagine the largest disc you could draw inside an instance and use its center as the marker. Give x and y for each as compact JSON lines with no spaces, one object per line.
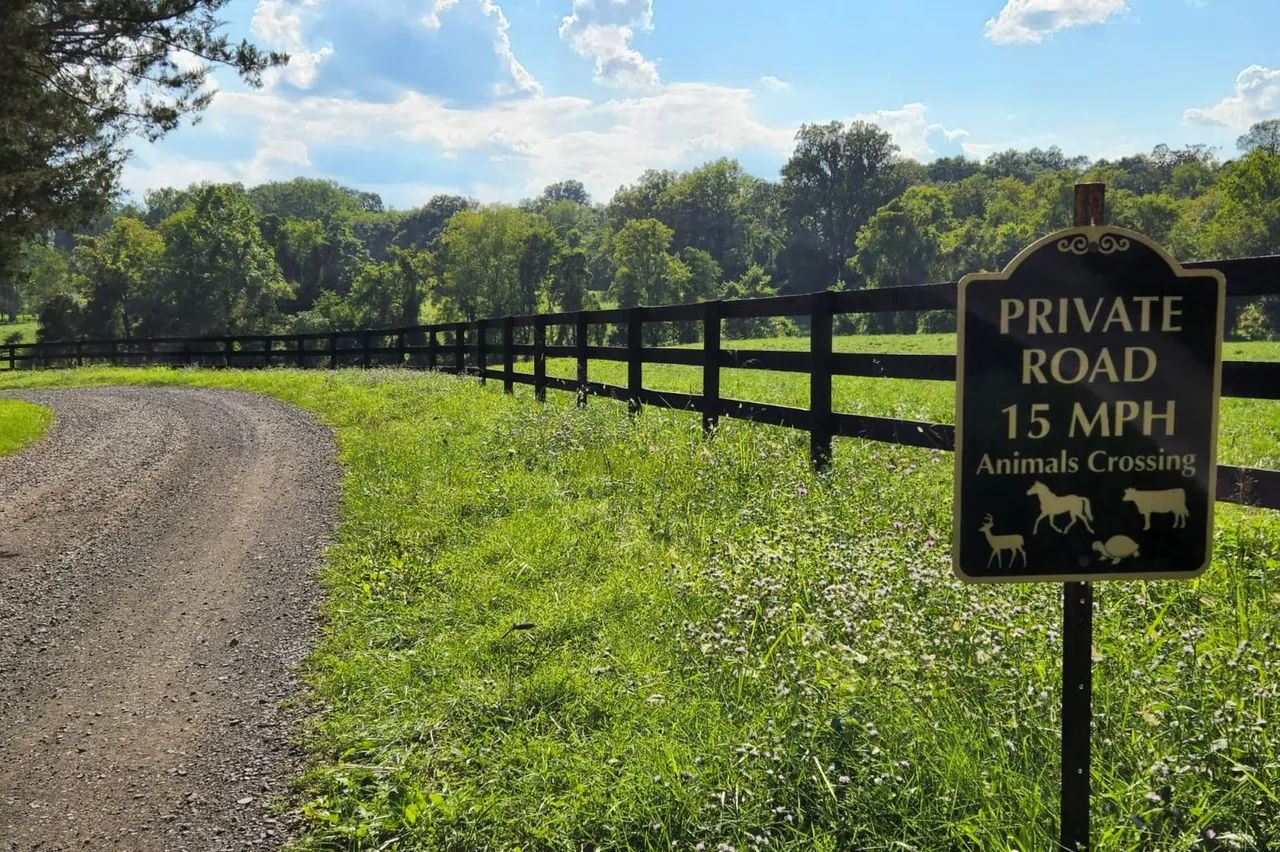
{"x":489,"y":349}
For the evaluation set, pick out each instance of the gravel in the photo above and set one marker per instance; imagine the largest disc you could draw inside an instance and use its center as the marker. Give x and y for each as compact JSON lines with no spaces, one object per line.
{"x":158,"y":554}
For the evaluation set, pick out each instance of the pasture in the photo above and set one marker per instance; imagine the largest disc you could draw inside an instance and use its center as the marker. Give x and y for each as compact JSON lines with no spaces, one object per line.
{"x":553,"y":628}
{"x":19,"y":332}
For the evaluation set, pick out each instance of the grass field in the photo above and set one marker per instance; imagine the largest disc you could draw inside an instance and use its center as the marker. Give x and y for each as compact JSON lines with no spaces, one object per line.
{"x":562,"y":629}
{"x":21,"y":423}
{"x":1249,"y":434}
{"x":26,"y":331}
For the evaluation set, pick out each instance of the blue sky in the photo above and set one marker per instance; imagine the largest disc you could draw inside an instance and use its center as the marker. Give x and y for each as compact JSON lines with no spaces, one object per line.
{"x":497,"y":98}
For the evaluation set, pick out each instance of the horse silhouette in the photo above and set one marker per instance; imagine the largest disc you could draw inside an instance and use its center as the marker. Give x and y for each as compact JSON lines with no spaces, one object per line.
{"x":1051,"y":505}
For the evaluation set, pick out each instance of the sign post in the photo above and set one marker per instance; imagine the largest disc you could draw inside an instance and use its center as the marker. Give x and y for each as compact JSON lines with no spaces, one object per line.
{"x":1088,"y":374}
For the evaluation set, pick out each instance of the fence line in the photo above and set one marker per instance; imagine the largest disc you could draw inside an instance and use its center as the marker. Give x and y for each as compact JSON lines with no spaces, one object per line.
{"x":466,"y":348}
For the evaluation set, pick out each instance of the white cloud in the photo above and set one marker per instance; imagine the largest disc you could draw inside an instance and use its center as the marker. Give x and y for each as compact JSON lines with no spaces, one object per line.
{"x":539,"y":139}
{"x":1256,"y":97}
{"x":1023,"y":21}
{"x":521,"y":79}
{"x":910,"y":129}
{"x":603,"y":29}
{"x":279,"y":24}
{"x":432,"y":19}
{"x":771,"y":82}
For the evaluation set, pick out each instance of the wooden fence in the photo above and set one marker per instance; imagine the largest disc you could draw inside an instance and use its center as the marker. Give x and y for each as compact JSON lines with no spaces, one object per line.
{"x":478,"y":348}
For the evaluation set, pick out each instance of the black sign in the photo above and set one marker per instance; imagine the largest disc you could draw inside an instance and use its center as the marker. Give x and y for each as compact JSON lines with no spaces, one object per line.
{"x":1087,"y":413}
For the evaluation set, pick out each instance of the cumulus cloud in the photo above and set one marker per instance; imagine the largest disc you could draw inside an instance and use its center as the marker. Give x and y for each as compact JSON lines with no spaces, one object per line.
{"x":1256,"y":97}
{"x":1022,"y":21}
{"x":537,"y":140}
{"x":771,"y":82}
{"x":279,"y":24}
{"x":602,"y":30}
{"x":910,"y":128}
{"x":521,"y":79}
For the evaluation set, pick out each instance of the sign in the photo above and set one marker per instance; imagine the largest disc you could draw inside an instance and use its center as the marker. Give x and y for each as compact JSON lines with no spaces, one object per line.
{"x":1087,"y":385}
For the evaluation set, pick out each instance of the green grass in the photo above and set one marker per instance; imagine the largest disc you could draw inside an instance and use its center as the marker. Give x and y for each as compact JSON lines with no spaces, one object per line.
{"x":21,"y":423}
{"x":26,"y":331}
{"x":726,"y":646}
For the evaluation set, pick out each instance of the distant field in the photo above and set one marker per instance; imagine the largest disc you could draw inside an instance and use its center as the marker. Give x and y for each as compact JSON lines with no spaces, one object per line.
{"x":561,"y":629}
{"x":1249,"y":433}
{"x":27,"y":330}
{"x":21,"y":423}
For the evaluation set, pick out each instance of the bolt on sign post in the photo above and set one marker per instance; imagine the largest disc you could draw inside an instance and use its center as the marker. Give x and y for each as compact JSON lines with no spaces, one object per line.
{"x":1088,"y":374}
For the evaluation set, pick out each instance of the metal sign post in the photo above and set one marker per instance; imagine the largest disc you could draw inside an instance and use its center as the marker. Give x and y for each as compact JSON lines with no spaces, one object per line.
{"x":1087,"y":382}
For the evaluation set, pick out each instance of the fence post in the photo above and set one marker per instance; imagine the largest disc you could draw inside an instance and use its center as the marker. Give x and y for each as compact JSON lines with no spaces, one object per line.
{"x":482,"y":347}
{"x":580,"y":335}
{"x":302,"y":352}
{"x":333,"y":351}
{"x":266,"y":351}
{"x":460,"y":347}
{"x":13,"y":357}
{"x":635,"y":367}
{"x":115,"y":353}
{"x":540,"y":358}
{"x":228,"y":350}
{"x":79,"y":354}
{"x":366,"y":356}
{"x":710,"y":365}
{"x":186,"y":353}
{"x":432,"y":347}
{"x":820,"y":331}
{"x":508,"y":357}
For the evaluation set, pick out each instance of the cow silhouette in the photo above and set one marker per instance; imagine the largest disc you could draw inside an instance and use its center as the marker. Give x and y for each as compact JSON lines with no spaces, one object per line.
{"x":1170,"y":500}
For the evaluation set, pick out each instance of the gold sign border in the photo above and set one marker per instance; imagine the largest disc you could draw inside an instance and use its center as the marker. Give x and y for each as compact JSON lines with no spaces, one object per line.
{"x":1106,"y":239}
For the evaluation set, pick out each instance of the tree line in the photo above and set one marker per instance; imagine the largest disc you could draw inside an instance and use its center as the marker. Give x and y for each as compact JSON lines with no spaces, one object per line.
{"x":848,"y":212}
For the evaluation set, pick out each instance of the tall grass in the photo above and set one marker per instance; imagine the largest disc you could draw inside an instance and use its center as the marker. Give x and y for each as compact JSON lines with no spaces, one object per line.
{"x":551,"y":628}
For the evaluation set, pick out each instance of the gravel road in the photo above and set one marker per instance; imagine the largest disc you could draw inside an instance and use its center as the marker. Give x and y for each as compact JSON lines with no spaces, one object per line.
{"x":158,"y":553}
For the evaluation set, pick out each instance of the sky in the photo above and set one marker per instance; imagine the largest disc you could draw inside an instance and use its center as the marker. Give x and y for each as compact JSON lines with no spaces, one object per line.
{"x":495,"y":99}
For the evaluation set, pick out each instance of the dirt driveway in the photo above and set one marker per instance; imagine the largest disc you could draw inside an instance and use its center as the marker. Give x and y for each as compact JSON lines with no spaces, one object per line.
{"x":158,"y":553}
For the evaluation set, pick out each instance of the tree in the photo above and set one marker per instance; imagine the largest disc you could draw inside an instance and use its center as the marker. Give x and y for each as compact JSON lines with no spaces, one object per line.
{"x":309,"y":198}
{"x":1263,"y":135}
{"x":904,"y":243}
{"x":422,"y":227}
{"x":701,"y":207}
{"x":541,"y":248}
{"x":1154,"y":215}
{"x":646,"y":273}
{"x":220,"y":276}
{"x":480,"y":256}
{"x":833,"y":183}
{"x":120,"y":271}
{"x":754,"y":284}
{"x":641,"y":200}
{"x":60,"y":319}
{"x":566,"y":190}
{"x":315,"y":255}
{"x":79,"y":78}
{"x":1026,"y":166}
{"x":705,"y":279}
{"x":391,"y":293}
{"x":41,"y":273}
{"x":953,"y":169}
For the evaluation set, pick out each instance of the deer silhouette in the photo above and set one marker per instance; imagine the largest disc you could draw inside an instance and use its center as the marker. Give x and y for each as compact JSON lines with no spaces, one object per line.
{"x":1001,"y":543}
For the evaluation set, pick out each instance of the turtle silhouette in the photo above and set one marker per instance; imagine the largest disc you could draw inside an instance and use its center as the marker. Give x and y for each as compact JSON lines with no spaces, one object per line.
{"x":1116,"y":548}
